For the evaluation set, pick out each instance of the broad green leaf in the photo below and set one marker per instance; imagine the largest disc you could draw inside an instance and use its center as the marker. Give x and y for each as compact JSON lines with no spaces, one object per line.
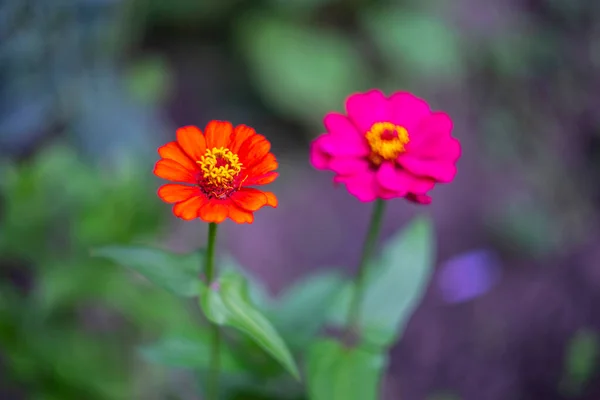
{"x":419,"y":43}
{"x":227,"y":303}
{"x":580,"y":361}
{"x":177,"y":273}
{"x":397,"y":287}
{"x":257,"y":291}
{"x":338,"y":313}
{"x":189,"y":351}
{"x":246,"y":318}
{"x":339,"y":373}
{"x":395,"y":284}
{"x":212,"y":304}
{"x":304,"y":307}
{"x":301,"y":70}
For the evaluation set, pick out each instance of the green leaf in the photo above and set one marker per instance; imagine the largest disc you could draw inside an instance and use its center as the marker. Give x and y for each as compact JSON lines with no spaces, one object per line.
{"x":580,"y":361}
{"x":189,"y":351}
{"x":227,"y":303}
{"x":257,"y":291}
{"x":395,"y":290}
{"x":304,"y":307}
{"x":302,"y":71}
{"x":418,"y":42}
{"x":395,"y":283}
{"x":177,"y":273}
{"x":212,"y":304}
{"x":339,"y":373}
{"x":338,"y":312}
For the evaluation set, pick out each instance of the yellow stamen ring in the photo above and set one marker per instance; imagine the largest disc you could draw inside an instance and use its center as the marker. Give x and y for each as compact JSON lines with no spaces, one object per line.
{"x":220,"y":166}
{"x":387,"y":141}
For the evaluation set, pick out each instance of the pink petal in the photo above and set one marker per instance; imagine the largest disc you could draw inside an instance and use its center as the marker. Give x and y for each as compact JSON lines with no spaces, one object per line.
{"x":361,"y":186}
{"x":407,"y":110}
{"x":418,"y":198}
{"x":432,"y":138}
{"x":390,"y":179}
{"x":417,"y":184}
{"x":318,"y":157}
{"x":348,"y":165}
{"x":441,"y":171}
{"x":364,"y":109}
{"x":395,"y":179}
{"x":340,"y":127}
{"x":388,"y":195}
{"x":338,"y":145}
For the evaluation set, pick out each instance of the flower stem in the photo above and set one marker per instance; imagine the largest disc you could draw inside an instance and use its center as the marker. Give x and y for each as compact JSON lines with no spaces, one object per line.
{"x":214,"y":362}
{"x":359,"y":283}
{"x":209,"y":262}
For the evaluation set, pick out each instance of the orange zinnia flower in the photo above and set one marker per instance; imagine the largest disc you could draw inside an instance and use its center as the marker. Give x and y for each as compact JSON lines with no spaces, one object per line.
{"x":216,"y":169}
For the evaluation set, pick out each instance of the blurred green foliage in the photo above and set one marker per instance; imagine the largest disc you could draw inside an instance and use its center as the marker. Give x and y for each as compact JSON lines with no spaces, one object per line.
{"x":301,"y":72}
{"x":148,"y":80}
{"x":581,"y":359}
{"x":230,"y":305}
{"x":396,"y":281}
{"x":173,"y":272}
{"x":289,"y":327}
{"x":67,"y":331}
{"x":415,"y":44}
{"x":337,"y":372}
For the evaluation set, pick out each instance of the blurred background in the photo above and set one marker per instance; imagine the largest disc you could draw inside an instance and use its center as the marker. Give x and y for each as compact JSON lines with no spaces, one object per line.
{"x":90,"y":88}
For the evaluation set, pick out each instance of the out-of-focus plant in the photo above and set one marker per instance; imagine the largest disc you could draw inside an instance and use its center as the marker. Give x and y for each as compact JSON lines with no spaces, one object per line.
{"x":67,"y":327}
{"x":581,"y":360}
{"x":302,"y":72}
{"x":331,"y":370}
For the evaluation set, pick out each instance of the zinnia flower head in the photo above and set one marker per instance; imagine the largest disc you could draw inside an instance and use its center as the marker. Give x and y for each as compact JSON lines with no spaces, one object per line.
{"x":214,"y":170}
{"x":387,"y":147}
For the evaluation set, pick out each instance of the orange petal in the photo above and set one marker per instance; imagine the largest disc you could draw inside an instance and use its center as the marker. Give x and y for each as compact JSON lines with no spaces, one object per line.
{"x":190,"y":208}
{"x":253,"y":150}
{"x":192,"y":141}
{"x":172,"y":151}
{"x":218,"y":134}
{"x":271,"y":199}
{"x":173,"y":171}
{"x":267,"y":164}
{"x":240,"y":216}
{"x":214,"y":211}
{"x":240,"y":134}
{"x":261,"y":179}
{"x":172,"y":193}
{"x":249,"y":199}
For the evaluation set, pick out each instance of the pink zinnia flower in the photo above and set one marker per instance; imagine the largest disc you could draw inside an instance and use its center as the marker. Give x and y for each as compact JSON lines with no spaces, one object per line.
{"x":388,"y":147}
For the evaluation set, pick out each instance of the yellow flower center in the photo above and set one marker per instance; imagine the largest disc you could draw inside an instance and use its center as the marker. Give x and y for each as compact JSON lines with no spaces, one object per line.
{"x":387,"y":141}
{"x":219,"y":167}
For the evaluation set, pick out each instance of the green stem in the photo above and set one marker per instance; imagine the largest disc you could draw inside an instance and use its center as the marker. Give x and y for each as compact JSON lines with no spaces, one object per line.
{"x":214,"y":362}
{"x":359,"y":283}
{"x":209,"y":262}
